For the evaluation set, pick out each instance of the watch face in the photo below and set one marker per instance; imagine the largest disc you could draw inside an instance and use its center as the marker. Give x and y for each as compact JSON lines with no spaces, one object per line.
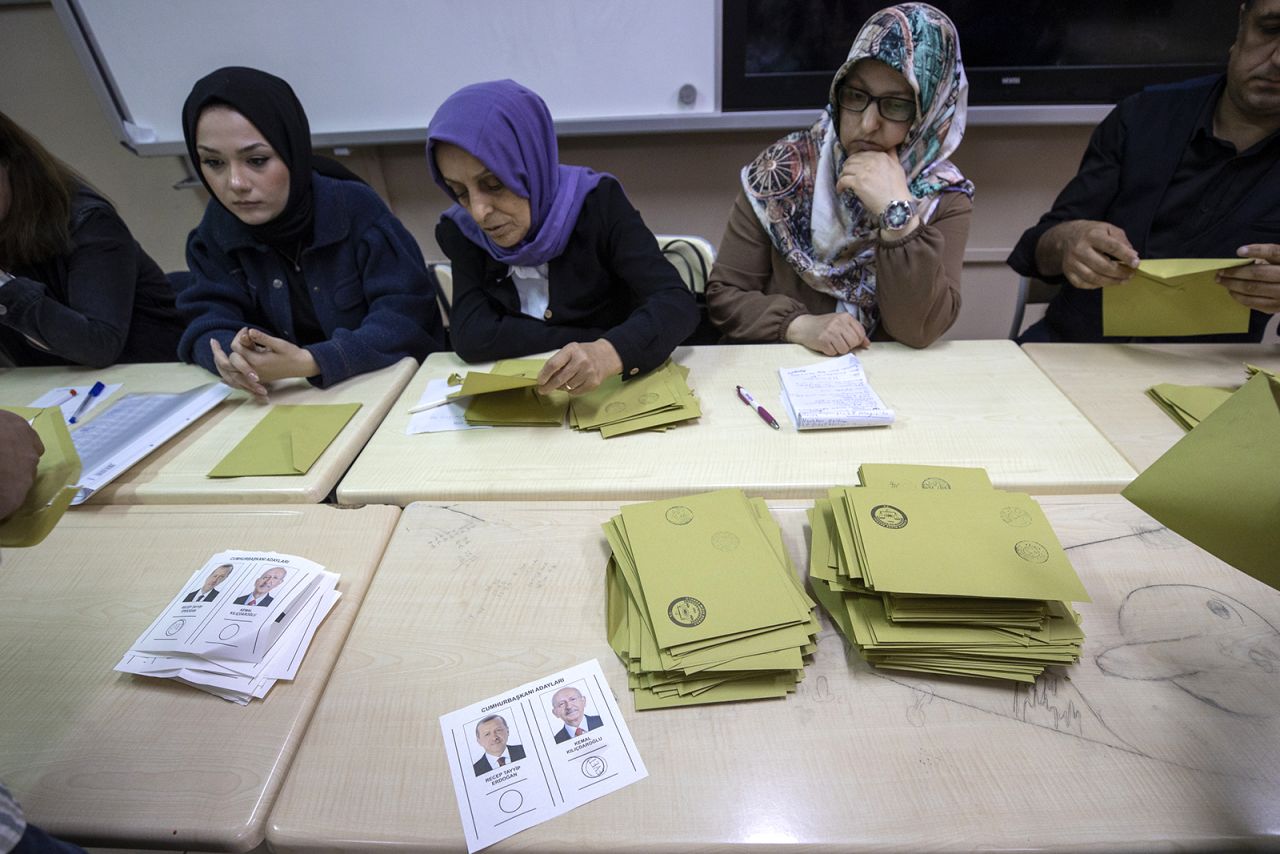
{"x":895,"y":215}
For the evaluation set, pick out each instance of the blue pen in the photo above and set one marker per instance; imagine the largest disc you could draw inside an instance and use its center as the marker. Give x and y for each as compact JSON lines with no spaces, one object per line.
{"x":87,"y":402}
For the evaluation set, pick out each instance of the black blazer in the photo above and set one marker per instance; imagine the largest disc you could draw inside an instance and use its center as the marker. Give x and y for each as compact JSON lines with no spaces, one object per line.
{"x":610,"y":282}
{"x":262,"y":603}
{"x":213,"y":594}
{"x":482,"y":766}
{"x":1129,"y":164}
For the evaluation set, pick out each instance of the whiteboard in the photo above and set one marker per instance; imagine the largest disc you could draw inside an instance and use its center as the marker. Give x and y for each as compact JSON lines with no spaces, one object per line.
{"x":375,"y":70}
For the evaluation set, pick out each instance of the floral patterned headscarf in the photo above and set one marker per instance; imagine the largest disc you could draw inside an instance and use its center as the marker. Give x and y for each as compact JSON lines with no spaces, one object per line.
{"x":829,"y":238}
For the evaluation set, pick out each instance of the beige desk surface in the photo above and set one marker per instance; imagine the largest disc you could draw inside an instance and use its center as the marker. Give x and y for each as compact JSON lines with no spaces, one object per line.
{"x":108,"y":759}
{"x":175,"y":473}
{"x":473,"y":598}
{"x":970,"y":403}
{"x":1108,"y":381}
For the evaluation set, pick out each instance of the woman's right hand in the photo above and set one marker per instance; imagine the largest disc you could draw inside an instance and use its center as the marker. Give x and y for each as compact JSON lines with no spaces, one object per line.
{"x":833,"y":334}
{"x":236,"y":372}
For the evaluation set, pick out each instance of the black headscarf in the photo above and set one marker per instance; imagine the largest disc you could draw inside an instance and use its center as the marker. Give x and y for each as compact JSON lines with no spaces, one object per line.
{"x":271,"y":106}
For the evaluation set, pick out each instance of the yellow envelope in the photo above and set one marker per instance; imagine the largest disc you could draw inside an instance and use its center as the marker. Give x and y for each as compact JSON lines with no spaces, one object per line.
{"x":54,"y":487}
{"x":1219,"y":486}
{"x":1174,"y":296}
{"x":287,"y":441}
{"x":1188,"y":404}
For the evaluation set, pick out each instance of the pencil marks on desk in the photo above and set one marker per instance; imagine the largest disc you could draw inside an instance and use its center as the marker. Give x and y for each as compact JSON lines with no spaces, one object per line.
{"x":1206,"y":643}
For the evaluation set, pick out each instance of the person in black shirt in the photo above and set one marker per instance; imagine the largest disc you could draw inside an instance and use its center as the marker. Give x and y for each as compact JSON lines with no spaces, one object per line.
{"x":1188,"y":170}
{"x":75,"y":287}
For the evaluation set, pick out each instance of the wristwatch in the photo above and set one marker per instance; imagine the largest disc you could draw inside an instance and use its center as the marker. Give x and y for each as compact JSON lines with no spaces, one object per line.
{"x":896,"y":215}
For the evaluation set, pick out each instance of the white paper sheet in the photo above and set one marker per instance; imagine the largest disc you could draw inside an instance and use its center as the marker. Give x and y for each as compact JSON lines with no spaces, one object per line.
{"x":68,"y":403}
{"x":451,"y":416}
{"x":543,"y":770}
{"x":834,"y":393}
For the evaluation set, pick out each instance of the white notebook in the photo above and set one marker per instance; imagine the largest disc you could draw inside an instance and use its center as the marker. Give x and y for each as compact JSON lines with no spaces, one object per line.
{"x":833,"y":393}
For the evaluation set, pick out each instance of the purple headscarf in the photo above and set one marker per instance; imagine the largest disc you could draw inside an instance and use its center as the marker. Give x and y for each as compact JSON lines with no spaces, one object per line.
{"x":508,"y":128}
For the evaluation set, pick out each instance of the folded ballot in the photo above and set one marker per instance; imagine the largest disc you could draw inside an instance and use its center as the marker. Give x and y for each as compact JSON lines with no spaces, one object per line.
{"x":930,"y":569}
{"x":239,"y":623}
{"x":704,"y":605}
{"x":1174,"y":296}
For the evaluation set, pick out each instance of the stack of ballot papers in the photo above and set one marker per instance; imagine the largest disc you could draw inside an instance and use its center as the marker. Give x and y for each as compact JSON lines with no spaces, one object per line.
{"x":655,"y":401}
{"x":834,"y":393}
{"x":239,"y":623}
{"x":1190,"y":404}
{"x":704,"y":605}
{"x":930,"y":569}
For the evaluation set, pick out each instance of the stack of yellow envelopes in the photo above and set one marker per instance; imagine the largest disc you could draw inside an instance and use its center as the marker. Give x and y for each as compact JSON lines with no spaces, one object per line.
{"x":1190,"y":404}
{"x":506,"y":396}
{"x":930,"y":569}
{"x":655,"y":401}
{"x":704,"y":605}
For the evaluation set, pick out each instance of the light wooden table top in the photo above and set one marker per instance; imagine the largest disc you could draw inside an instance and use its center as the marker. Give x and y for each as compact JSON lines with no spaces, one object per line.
{"x":108,"y":759}
{"x":1108,"y":383}
{"x":1177,"y":747}
{"x":971,"y":403}
{"x":176,"y":473}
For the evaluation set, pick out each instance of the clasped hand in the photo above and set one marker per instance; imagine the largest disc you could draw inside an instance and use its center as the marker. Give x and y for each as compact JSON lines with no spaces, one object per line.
{"x":257,"y":358}
{"x":579,"y":368}
{"x":833,"y":334}
{"x":875,"y":177}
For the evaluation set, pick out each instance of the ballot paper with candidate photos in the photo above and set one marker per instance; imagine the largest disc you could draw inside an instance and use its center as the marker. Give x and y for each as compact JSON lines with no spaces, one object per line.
{"x":535,"y":752}
{"x":238,"y":624}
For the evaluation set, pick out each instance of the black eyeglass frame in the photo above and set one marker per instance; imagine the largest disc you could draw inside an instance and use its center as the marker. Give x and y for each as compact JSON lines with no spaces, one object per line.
{"x":877,"y":100}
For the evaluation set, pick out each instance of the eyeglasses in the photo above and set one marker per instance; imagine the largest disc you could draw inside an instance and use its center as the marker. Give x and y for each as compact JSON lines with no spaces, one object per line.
{"x":890,"y":108}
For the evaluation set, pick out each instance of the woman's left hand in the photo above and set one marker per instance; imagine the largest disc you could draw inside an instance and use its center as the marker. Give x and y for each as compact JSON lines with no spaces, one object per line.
{"x":273,"y":358}
{"x":579,"y":368}
{"x":875,"y":177}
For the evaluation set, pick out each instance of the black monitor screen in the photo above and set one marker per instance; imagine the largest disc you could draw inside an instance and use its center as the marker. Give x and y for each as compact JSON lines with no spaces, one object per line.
{"x":781,"y":54}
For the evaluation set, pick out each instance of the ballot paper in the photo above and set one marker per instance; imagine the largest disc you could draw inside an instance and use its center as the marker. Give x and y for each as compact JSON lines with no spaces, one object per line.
{"x":133,"y":427}
{"x":238,"y":624}
{"x":834,"y":393}
{"x":536,"y":751}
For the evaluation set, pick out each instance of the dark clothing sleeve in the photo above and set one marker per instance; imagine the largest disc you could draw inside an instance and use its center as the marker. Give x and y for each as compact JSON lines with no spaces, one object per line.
{"x":215,"y":308}
{"x":1089,"y":195}
{"x":81,"y":309}
{"x":610,"y":282}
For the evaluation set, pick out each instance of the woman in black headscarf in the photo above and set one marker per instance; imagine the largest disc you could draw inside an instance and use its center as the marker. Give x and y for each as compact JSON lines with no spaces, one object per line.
{"x":298,"y":268}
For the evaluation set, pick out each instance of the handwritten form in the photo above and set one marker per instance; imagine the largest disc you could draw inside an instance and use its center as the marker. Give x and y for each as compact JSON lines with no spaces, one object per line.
{"x":516,"y":761}
{"x":834,"y":393}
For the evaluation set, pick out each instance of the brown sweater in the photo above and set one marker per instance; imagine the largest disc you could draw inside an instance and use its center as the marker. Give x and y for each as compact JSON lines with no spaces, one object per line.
{"x":753,"y":294}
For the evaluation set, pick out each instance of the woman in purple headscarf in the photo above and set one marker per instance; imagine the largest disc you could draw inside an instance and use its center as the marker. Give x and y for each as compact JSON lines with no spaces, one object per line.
{"x":545,"y":256}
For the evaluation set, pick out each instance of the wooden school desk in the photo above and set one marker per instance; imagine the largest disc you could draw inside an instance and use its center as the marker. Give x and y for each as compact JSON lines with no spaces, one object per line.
{"x":175,"y":473}
{"x":1175,"y":745}
{"x":104,"y":758}
{"x":974,"y":403}
{"x":1108,"y":381}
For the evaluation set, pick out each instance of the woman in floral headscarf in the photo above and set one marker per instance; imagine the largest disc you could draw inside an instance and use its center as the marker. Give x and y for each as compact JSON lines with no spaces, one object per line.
{"x":855,"y":228}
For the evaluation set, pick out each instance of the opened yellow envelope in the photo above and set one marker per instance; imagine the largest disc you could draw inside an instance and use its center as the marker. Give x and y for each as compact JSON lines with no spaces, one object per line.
{"x":287,"y":441}
{"x":1174,"y":296}
{"x":477,"y":382}
{"x":54,"y":487}
{"x":1219,"y":486}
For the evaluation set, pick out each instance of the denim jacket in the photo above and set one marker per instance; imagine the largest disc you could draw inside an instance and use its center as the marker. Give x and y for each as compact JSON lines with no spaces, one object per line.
{"x":364,"y":271}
